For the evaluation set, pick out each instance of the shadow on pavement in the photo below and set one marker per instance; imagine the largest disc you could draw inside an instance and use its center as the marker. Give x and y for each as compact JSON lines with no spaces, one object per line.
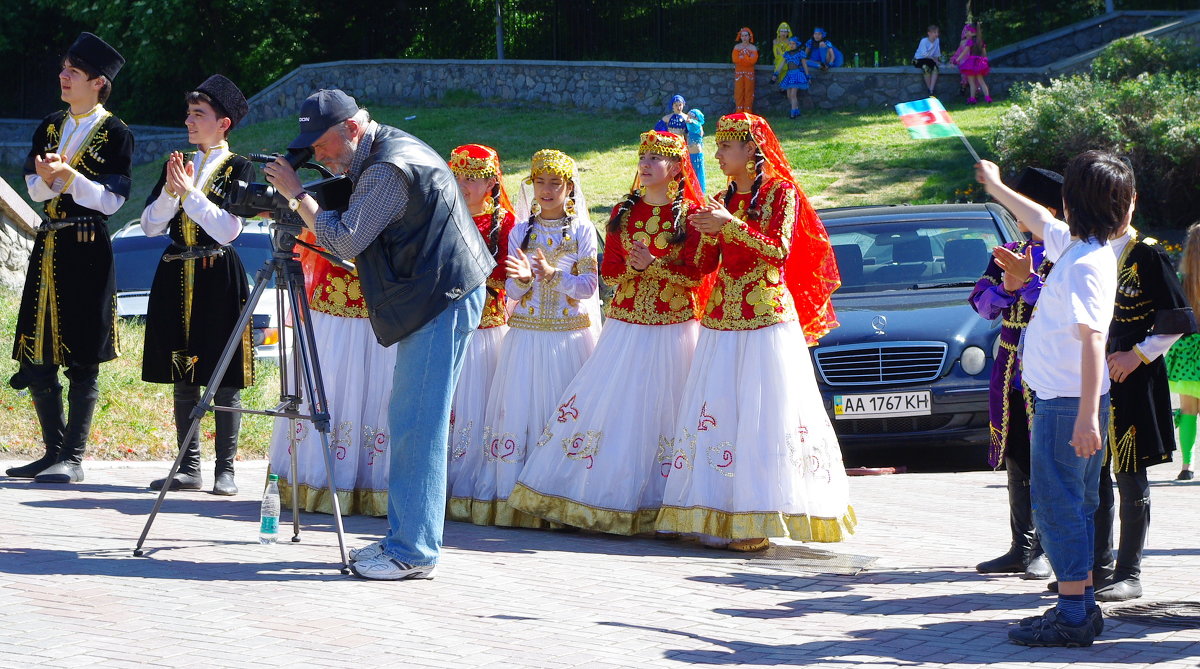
{"x":120,"y":562}
{"x":917,"y":649}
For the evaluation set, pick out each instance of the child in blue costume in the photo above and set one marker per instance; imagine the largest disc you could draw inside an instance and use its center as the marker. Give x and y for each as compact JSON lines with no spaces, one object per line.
{"x":675,"y":120}
{"x":820,"y":52}
{"x":795,"y":77}
{"x":695,"y":142}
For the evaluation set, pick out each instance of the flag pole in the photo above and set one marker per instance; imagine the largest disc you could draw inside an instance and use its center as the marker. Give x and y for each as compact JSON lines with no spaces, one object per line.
{"x":969,"y":147}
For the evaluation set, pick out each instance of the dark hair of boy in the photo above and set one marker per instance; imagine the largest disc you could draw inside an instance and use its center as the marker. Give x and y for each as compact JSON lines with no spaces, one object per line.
{"x":91,"y":72}
{"x":1098,"y":189}
{"x":932,"y":27}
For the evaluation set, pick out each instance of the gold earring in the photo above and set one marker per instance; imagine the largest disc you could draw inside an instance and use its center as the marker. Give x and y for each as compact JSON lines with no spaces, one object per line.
{"x":672,"y":189}
{"x":750,"y":166}
{"x":489,"y":205}
{"x":570,"y":208}
{"x":535,"y":208}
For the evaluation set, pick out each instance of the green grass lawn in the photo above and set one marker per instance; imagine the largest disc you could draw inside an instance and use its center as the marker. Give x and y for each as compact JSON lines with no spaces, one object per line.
{"x":840,"y":157}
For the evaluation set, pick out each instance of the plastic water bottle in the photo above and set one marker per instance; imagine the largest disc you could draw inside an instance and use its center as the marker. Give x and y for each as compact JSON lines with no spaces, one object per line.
{"x":268,"y":528}
{"x":856,"y":59}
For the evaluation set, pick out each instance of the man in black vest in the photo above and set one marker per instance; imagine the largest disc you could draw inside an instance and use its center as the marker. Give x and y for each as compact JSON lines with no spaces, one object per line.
{"x":422,"y":264}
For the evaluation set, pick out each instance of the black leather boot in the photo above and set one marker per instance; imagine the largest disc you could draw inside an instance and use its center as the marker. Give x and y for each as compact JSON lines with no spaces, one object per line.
{"x":228,"y":424}
{"x":1038,"y":568}
{"x":47,"y":402}
{"x":188,"y":476}
{"x":81,"y":405}
{"x":1125,"y":582}
{"x":1020,"y":521}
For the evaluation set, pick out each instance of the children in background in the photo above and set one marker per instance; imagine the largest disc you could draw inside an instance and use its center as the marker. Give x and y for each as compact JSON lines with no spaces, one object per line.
{"x":553,"y":326}
{"x":971,"y":59}
{"x":200,"y":287}
{"x":1063,"y":363}
{"x":753,"y":452}
{"x":929,"y":51}
{"x":745,"y":57}
{"x":1183,"y":359}
{"x":675,"y":120}
{"x":477,"y":169}
{"x":603,"y":459}
{"x":820,"y":52}
{"x":1008,"y":291}
{"x":779,"y":46}
{"x":795,"y":77}
{"x":695,"y":144}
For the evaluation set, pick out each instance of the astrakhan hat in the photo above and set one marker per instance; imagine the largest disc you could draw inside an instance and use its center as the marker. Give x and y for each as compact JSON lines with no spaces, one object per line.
{"x":97,"y":54}
{"x":226,"y":96}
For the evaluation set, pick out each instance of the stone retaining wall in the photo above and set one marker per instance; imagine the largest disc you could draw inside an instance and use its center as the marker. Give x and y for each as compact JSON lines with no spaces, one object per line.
{"x":17,"y":220}
{"x":641,"y":87}
{"x":1077,"y":38}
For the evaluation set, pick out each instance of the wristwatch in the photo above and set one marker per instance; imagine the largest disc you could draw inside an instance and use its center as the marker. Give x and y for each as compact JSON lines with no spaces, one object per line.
{"x":294,"y":203}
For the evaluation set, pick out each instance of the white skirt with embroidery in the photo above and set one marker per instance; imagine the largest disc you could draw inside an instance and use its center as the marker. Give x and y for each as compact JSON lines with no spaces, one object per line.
{"x":608,"y":452}
{"x":755,"y":454}
{"x":466,"y":418}
{"x":535,"y":367}
{"x":357,"y":374}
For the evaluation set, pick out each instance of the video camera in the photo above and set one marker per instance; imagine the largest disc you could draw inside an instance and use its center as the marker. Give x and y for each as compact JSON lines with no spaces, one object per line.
{"x":248,"y":200}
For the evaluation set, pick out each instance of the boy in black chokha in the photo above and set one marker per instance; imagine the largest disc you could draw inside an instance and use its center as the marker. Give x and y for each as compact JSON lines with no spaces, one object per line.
{"x":79,"y":167}
{"x":1151,"y":314}
{"x":200,"y":286}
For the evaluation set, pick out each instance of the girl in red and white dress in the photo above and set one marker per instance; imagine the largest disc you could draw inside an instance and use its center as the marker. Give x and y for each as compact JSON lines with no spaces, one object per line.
{"x":755,"y":455}
{"x":603,"y":460}
{"x":477,"y":168}
{"x":551,"y":270}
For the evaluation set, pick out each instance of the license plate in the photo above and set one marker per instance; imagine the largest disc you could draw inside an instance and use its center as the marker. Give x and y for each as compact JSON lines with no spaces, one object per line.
{"x":916,"y":403}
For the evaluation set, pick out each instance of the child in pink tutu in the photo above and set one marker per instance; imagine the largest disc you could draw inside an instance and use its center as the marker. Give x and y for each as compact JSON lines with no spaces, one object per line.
{"x":971,"y":59}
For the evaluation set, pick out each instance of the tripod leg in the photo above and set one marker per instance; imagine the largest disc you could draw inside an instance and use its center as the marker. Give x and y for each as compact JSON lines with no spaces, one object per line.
{"x":289,"y":384}
{"x":231,"y":347}
{"x":310,"y":364}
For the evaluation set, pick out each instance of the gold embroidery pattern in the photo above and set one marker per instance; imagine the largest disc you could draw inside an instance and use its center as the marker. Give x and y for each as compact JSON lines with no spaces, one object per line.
{"x":657,"y":283}
{"x":542,"y":307}
{"x":502,"y":447}
{"x":90,"y":147}
{"x":771,"y":302}
{"x":190,"y":231}
{"x":582,"y":446}
{"x":374,"y":442}
{"x":340,"y":295}
{"x":494,"y":313}
{"x":720,"y":458}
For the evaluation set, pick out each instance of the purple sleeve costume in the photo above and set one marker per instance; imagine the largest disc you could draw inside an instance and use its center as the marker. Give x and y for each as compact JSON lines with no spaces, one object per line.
{"x":990,"y":300}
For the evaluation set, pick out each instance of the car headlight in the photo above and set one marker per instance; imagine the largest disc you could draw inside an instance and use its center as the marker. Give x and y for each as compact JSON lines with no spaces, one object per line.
{"x":973,"y":360}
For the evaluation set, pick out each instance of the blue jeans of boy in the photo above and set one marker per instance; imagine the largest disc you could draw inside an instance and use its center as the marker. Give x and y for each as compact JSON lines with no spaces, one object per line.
{"x":428,"y":363}
{"x":1065,"y":487}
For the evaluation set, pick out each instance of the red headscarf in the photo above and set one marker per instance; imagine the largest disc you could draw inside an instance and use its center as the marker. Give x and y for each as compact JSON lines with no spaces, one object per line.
{"x":811,"y":270}
{"x":738,"y":38}
{"x":476,"y":161}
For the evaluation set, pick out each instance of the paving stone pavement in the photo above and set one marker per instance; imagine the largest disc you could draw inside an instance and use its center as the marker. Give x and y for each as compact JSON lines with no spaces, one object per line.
{"x":207,"y":594}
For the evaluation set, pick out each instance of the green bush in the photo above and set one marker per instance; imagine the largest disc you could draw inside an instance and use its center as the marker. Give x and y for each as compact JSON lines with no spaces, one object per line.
{"x":1152,"y":119}
{"x":1130,"y":57}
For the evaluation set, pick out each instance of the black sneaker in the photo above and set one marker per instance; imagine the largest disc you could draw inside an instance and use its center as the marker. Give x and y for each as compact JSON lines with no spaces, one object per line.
{"x":1095,"y":617}
{"x":1050,"y":630}
{"x":1184,"y":475}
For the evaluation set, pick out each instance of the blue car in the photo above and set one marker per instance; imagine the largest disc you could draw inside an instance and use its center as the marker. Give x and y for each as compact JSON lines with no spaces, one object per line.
{"x":910,"y":363}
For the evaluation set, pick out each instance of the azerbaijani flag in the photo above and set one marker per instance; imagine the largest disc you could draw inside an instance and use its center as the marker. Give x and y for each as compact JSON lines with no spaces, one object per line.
{"x":926,"y":119}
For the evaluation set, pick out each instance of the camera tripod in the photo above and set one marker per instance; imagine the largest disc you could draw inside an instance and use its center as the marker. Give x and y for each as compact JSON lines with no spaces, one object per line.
{"x":305,"y":367}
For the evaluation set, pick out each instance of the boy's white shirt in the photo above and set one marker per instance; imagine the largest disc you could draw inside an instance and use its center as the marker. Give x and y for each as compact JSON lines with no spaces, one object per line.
{"x":221,"y":225}
{"x":927,"y":49}
{"x":1080,"y":290}
{"x":84,"y":191}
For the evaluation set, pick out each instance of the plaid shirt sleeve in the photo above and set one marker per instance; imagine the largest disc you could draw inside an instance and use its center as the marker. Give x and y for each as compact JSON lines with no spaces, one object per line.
{"x":380,"y":197}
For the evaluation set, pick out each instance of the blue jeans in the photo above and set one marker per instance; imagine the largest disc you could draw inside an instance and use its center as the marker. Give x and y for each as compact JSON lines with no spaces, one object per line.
{"x":428,"y":363}
{"x":1064,"y":487}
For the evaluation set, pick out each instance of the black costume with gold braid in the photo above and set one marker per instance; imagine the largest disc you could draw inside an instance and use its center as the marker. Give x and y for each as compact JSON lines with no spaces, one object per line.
{"x":68,"y":309}
{"x":195,"y":303}
{"x":68,"y":306}
{"x":1149,"y":301}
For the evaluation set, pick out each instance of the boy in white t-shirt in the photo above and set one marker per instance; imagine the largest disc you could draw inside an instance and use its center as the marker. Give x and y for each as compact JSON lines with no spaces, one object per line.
{"x":1063,"y":363}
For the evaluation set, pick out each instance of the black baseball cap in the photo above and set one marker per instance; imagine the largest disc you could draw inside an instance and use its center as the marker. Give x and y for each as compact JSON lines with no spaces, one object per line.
{"x":320,"y":112}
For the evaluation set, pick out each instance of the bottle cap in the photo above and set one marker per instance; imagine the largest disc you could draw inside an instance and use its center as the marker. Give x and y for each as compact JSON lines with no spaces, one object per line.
{"x":272,"y":477}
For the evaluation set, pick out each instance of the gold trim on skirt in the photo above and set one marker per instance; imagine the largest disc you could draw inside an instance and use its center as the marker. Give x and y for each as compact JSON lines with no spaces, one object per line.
{"x":351,"y":502}
{"x":575,"y":514}
{"x":755,"y":524}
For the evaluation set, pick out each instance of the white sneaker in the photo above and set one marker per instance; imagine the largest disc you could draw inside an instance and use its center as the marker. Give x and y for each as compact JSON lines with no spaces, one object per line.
{"x":366,"y":552}
{"x":384,"y":568}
